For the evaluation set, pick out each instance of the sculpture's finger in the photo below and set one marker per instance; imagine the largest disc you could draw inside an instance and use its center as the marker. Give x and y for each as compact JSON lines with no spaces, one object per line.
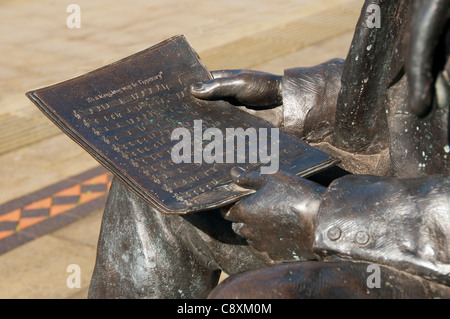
{"x":218,"y":74}
{"x":242,"y":230}
{"x":219,"y":88}
{"x":233,"y":72}
{"x":428,"y":24}
{"x":233,"y":214}
{"x":242,"y":87}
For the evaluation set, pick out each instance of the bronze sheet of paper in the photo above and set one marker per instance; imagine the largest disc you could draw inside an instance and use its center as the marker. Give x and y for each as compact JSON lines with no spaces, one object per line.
{"x":124,"y":114}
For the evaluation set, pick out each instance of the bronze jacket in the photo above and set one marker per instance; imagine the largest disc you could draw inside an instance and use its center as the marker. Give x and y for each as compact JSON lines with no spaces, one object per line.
{"x":396,"y":209}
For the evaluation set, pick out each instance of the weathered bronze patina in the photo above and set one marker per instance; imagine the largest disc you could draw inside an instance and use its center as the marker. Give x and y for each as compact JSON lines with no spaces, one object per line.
{"x":384,"y":112}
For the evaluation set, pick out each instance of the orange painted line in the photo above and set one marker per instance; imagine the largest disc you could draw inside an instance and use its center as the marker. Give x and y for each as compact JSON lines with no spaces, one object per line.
{"x":12,"y":216}
{"x":43,"y":203}
{"x":27,"y":222}
{"x":9,"y":214}
{"x":86,"y":197}
{"x":4,"y":234}
{"x":59,"y":209}
{"x":71,"y":191}
{"x":101,"y":179}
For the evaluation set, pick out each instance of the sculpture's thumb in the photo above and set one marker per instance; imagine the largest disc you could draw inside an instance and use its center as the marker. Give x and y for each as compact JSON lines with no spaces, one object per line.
{"x":247,"y":179}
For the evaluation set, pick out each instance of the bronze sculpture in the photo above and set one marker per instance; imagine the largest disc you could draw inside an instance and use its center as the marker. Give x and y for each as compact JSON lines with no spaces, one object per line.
{"x":384,"y":112}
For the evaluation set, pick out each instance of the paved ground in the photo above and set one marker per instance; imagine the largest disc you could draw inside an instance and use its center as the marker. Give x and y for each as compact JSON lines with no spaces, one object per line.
{"x":39,"y":49}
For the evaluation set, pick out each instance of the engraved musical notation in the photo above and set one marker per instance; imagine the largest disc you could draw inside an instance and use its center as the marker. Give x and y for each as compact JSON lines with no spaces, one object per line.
{"x":124,"y":114}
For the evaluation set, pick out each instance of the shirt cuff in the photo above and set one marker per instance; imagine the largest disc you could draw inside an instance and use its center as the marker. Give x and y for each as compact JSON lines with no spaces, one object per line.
{"x":400,"y":223}
{"x":309,"y":99}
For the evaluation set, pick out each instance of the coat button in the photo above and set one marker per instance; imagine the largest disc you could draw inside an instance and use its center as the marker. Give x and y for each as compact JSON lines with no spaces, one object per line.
{"x":362,"y":238}
{"x":334,"y":233}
